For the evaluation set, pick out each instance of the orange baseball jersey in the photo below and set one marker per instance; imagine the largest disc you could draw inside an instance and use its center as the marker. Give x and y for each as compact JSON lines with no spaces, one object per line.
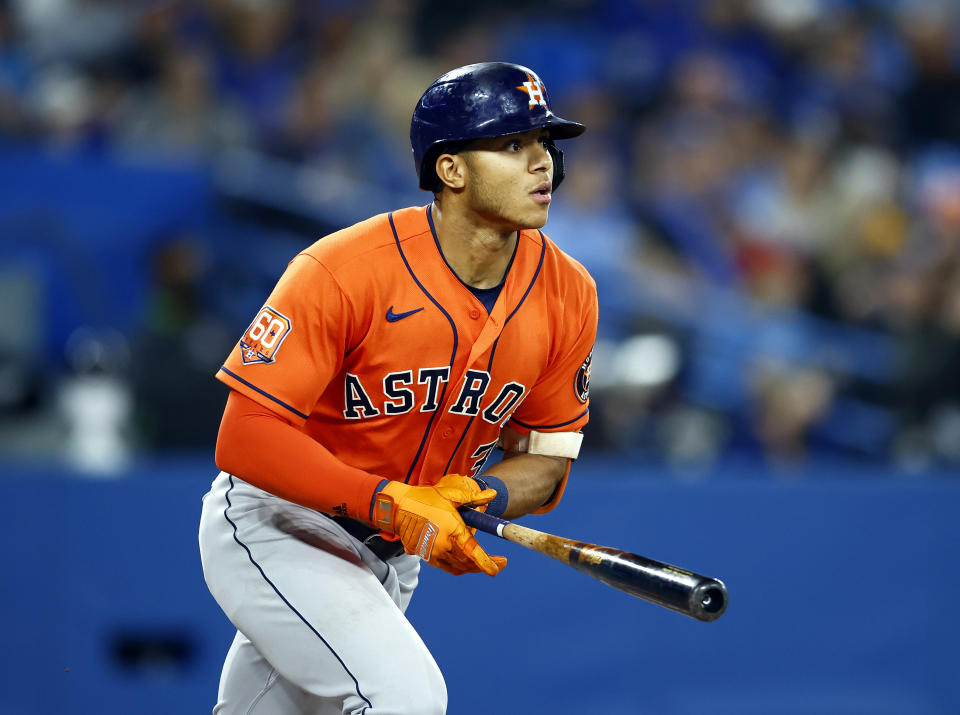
{"x":373,"y":346}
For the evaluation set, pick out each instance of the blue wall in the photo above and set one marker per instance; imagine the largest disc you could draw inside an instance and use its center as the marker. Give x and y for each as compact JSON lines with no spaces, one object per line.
{"x":842,"y":587}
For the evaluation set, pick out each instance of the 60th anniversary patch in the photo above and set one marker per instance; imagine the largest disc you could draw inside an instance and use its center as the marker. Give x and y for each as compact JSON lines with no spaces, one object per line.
{"x":262,"y":341}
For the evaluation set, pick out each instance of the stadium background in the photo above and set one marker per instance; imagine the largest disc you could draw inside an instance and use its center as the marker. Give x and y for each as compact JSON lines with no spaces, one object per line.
{"x":769,"y":197}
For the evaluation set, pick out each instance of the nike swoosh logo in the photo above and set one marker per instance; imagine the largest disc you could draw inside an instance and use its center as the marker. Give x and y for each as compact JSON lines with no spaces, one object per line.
{"x":394,"y":317}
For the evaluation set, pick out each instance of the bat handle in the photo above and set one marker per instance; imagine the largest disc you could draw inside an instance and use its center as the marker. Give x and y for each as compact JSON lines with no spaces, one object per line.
{"x":484,"y":522}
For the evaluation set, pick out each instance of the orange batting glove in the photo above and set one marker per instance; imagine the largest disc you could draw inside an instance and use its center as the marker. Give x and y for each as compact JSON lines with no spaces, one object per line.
{"x":428,"y":524}
{"x":465,"y":491}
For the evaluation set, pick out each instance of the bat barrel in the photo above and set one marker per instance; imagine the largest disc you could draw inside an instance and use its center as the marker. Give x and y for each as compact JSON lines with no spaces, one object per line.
{"x":697,"y":596}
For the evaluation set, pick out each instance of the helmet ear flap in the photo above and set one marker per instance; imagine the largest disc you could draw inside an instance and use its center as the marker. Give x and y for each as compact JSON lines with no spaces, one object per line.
{"x":428,"y":169}
{"x":429,"y":180}
{"x":557,"y":157}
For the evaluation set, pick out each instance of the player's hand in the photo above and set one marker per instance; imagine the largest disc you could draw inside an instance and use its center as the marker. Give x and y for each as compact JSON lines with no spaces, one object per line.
{"x":428,"y":524}
{"x":465,"y":491}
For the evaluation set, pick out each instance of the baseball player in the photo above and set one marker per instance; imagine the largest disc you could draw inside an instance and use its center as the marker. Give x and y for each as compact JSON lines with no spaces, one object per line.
{"x":390,"y":360}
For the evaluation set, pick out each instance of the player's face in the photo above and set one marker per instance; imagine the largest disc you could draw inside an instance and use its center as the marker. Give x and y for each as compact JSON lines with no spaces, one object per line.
{"x":510,"y":179}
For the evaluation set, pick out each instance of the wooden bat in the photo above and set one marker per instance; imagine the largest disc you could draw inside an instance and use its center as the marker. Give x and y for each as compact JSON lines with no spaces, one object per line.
{"x":680,"y":590}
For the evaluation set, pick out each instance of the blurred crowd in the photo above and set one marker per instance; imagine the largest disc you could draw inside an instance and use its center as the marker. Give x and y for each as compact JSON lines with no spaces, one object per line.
{"x":768,"y":195}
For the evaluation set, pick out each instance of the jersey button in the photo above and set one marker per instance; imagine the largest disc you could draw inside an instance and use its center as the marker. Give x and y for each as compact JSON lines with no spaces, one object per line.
{"x":474,"y":313}
{"x":447,"y":433}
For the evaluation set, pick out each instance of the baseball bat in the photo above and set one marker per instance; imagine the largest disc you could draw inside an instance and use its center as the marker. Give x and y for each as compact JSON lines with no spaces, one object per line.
{"x":680,"y":590}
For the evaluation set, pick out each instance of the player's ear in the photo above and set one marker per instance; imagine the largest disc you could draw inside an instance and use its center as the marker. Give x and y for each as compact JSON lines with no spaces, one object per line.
{"x":451,"y":170}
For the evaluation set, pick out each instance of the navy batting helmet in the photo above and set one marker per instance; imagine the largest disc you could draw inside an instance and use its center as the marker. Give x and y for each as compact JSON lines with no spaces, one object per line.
{"x":488,"y":99}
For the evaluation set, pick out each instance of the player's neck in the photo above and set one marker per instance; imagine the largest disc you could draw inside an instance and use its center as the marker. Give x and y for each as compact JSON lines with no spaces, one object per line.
{"x":478,"y":254}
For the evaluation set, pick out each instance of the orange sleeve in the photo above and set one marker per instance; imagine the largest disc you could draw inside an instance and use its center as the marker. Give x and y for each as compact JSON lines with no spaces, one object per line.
{"x":295,"y":344}
{"x":560,"y":399}
{"x":261,"y":447}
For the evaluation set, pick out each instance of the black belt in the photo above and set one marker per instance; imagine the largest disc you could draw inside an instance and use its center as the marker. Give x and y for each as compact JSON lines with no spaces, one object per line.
{"x":370,"y":537}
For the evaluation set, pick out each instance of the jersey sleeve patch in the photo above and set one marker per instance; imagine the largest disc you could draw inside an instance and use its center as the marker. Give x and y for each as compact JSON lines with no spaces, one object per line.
{"x":581,"y":384}
{"x":264,"y":337}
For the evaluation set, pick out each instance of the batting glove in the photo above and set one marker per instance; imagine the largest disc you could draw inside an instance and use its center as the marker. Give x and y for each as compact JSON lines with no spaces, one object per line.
{"x":428,"y":524}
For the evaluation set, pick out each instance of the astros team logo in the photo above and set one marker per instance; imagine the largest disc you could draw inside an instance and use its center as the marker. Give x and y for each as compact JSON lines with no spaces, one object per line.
{"x":536,"y":91}
{"x":264,"y":337}
{"x":581,"y":384}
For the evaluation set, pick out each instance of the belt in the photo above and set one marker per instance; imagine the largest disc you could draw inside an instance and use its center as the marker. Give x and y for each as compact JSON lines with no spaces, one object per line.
{"x":370,"y":537}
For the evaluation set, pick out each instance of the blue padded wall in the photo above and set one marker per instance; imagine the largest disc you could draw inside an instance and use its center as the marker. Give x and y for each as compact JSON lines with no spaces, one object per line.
{"x":842,"y":588}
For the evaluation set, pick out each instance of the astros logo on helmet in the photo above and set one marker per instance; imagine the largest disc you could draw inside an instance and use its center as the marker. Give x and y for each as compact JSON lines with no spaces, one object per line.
{"x":534,"y":87}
